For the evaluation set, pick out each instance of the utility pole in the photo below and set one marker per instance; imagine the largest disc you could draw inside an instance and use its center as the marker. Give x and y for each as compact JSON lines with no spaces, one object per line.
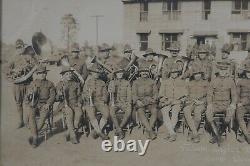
{"x":97,"y":24}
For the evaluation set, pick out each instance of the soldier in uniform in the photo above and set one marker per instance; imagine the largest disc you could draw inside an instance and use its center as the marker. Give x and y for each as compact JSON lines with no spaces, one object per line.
{"x":19,"y":67}
{"x":104,"y":63}
{"x":96,"y":98}
{"x":202,"y":63}
{"x":148,"y":63}
{"x":69,"y":92}
{"x":121,"y":99}
{"x":77,"y":62}
{"x":221,"y":97}
{"x":225,"y":52}
{"x":144,"y":93}
{"x":196,"y":103}
{"x":168,"y":63}
{"x":41,"y":96}
{"x":243,"y":105}
{"x":172,"y":97}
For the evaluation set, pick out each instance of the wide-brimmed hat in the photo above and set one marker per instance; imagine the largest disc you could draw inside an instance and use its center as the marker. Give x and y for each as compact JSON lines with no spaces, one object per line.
{"x":41,"y":69}
{"x":127,"y":49}
{"x":104,"y":48}
{"x":75,"y":47}
{"x":66,"y":69}
{"x":174,"y":47}
{"x":149,"y":51}
{"x":222,"y":65}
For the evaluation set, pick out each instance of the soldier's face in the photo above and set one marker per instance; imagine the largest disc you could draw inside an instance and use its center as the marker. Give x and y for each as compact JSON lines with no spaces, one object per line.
{"x":104,"y":54}
{"x":75,"y":54}
{"x":197,"y":76}
{"x":144,"y":74}
{"x":223,"y":73}
{"x":149,"y":57}
{"x":224,"y":55}
{"x":248,"y":75}
{"x":174,"y":53}
{"x":119,"y":75}
{"x":202,"y":55}
{"x":19,"y":50}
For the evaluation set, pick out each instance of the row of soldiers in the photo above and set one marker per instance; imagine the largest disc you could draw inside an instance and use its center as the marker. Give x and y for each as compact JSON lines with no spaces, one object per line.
{"x":132,"y":84}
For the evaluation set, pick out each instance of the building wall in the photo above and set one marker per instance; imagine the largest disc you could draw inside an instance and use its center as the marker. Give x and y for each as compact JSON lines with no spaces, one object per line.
{"x":220,"y":21}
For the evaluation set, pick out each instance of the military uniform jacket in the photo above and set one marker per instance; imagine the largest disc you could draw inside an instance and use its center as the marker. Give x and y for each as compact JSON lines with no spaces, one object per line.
{"x":70,"y":90}
{"x":122,"y":90}
{"x":97,"y":89}
{"x":243,"y":91}
{"x":197,"y":90}
{"x":144,"y":89}
{"x":44,"y":91}
{"x":221,"y":90}
{"x":79,"y":65}
{"x":173,"y":89}
{"x":167,"y":66}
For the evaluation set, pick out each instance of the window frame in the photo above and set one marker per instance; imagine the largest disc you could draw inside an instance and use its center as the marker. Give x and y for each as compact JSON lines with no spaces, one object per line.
{"x":142,"y":42}
{"x":243,"y":42}
{"x":206,"y":12}
{"x":164,"y":42}
{"x":144,"y":6}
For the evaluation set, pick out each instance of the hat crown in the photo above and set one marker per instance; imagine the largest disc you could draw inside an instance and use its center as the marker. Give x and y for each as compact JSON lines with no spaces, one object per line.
{"x":75,"y":47}
{"x":226,"y":48}
{"x":203,"y":48}
{"x":174,"y":46}
{"x":127,"y":48}
{"x":104,"y":47}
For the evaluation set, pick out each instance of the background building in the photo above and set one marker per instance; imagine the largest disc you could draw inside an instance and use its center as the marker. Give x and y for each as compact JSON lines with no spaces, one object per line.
{"x":157,"y":23}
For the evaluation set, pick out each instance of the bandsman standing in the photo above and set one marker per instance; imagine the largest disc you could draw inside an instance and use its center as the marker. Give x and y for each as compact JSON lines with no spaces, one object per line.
{"x":243,"y":105}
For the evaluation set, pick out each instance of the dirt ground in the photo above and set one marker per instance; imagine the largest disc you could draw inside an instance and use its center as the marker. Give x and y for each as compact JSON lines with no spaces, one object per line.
{"x":15,"y":150}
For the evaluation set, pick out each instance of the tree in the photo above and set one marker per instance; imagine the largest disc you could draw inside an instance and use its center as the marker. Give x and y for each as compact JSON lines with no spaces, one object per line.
{"x":70,"y":29}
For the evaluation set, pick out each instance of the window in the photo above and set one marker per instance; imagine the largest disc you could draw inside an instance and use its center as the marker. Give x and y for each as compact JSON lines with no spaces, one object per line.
{"x":200,"y":40}
{"x":143,"y":41}
{"x":242,"y":38}
{"x":206,"y":9}
{"x":241,"y":7}
{"x":144,"y":11}
{"x":171,"y":8}
{"x":167,"y":39}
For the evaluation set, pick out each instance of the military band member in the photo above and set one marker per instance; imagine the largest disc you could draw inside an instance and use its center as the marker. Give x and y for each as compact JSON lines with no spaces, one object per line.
{"x":96,"y":99}
{"x":201,"y":63}
{"x":104,"y":63}
{"x":69,"y":92}
{"x":22,"y":64}
{"x":172,"y":96}
{"x":221,"y":97}
{"x":243,"y":105}
{"x":121,"y":99}
{"x":196,"y":103}
{"x":41,"y":95}
{"x":225,"y":52}
{"x":148,"y":63}
{"x":169,"y":62}
{"x":144,"y":93}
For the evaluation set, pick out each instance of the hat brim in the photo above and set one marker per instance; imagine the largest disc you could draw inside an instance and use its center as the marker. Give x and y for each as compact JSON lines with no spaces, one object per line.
{"x":105,"y":50}
{"x":44,"y":71}
{"x":173,"y":50}
{"x":128,"y":51}
{"x":147,"y":54}
{"x":63,"y":72}
{"x":202,"y":52}
{"x":75,"y":51}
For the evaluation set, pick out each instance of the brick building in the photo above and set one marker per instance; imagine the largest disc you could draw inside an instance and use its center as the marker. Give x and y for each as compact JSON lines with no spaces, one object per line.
{"x":157,"y":23}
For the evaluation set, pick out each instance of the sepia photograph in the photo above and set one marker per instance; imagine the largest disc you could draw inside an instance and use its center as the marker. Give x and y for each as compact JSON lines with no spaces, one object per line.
{"x":125,"y":82}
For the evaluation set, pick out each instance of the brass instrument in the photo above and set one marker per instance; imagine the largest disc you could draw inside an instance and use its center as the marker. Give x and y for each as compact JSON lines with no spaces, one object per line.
{"x":90,"y":98}
{"x":104,"y":67}
{"x":133,"y":70}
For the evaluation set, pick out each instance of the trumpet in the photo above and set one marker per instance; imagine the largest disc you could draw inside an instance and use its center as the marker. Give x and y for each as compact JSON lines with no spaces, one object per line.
{"x":90,"y":98}
{"x":103,"y":66}
{"x":133,"y":70}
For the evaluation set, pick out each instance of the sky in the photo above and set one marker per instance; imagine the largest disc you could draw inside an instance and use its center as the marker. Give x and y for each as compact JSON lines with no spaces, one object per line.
{"x":21,"y":18}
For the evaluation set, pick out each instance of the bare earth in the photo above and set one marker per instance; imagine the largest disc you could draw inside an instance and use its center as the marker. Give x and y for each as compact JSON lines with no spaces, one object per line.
{"x":15,"y":150}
